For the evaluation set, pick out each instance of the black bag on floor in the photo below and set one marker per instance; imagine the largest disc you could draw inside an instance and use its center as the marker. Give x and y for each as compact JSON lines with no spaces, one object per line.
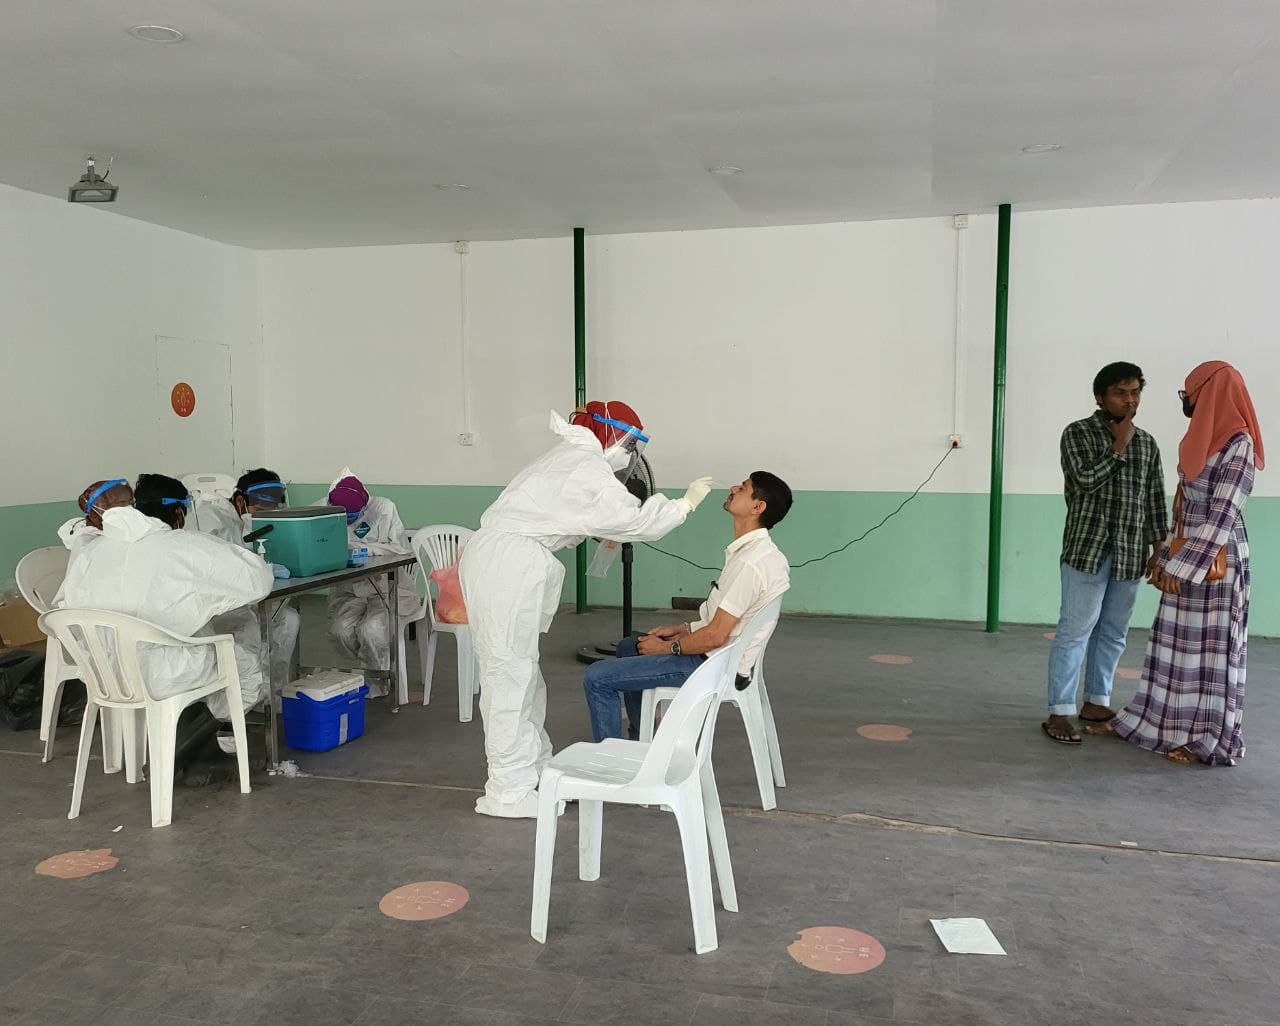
{"x":22,"y":692}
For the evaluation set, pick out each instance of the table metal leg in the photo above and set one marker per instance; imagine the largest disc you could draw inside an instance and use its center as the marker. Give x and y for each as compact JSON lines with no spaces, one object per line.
{"x":264,"y":625}
{"x":393,"y":631}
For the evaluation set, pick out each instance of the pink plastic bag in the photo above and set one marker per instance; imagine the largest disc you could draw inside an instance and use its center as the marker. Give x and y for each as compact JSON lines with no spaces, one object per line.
{"x":449,"y":605}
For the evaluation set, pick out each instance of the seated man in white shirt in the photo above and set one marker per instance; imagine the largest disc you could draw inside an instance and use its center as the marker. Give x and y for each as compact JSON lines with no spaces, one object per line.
{"x":755,"y":573}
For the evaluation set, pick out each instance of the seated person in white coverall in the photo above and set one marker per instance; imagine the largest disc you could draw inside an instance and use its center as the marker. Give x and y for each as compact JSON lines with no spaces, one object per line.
{"x":358,"y":610}
{"x":94,"y":501}
{"x":144,"y":565}
{"x":511,"y":580}
{"x":256,"y":490}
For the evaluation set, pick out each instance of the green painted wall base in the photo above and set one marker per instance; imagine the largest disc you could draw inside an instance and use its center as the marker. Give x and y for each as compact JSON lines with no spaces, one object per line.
{"x":928,"y":562}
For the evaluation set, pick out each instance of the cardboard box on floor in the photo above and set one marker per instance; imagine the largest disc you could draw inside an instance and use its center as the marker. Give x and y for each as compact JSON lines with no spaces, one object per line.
{"x":18,"y":627}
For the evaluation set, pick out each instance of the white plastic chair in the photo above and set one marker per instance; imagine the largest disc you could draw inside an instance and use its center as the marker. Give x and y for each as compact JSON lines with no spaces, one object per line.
{"x":221,"y":485}
{"x":438,"y":547}
{"x":39,"y":575}
{"x":672,"y":771}
{"x":104,"y":646}
{"x":757,"y":718}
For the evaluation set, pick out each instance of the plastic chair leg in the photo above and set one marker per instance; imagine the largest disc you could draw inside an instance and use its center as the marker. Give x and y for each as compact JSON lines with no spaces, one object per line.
{"x":134,"y":728}
{"x":112,"y":740}
{"x":719,"y":839}
{"x":771,"y":732}
{"x":241,"y":735}
{"x":162,"y":740}
{"x":648,"y":714}
{"x":590,"y":831}
{"x":543,"y":856}
{"x":52,"y":695}
{"x":753,"y":720}
{"x":82,"y":756}
{"x":428,"y":650}
{"x":402,"y":671}
{"x":692,"y":822}
{"x":466,"y":676}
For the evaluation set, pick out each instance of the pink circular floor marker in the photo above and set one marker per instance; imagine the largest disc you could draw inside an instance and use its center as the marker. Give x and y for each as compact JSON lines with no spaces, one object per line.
{"x":71,"y":865}
{"x":836,"y":949}
{"x":1050,"y":634}
{"x":884,"y":732}
{"x":1128,"y":673}
{"x":430,"y":899}
{"x":892,"y":660}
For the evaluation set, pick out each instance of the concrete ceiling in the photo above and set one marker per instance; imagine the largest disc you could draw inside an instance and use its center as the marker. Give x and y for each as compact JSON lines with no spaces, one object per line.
{"x":299,"y":123}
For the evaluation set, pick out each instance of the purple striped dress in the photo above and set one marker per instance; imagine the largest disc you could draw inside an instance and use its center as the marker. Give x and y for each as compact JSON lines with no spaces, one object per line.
{"x":1192,"y":691}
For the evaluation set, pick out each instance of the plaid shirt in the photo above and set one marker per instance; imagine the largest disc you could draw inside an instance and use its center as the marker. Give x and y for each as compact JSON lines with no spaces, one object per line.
{"x":1115,"y":503}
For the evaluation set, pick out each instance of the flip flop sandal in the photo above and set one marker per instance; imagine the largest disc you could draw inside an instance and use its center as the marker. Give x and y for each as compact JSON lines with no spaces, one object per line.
{"x":1097,"y":719}
{"x":1072,"y":739}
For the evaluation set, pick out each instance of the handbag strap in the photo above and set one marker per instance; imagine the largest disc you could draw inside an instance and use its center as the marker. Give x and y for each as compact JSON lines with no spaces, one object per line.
{"x":1177,"y":511}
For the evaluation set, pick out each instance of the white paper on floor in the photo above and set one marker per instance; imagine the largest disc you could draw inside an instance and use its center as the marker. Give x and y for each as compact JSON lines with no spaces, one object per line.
{"x":288,"y":769}
{"x":967,"y":936}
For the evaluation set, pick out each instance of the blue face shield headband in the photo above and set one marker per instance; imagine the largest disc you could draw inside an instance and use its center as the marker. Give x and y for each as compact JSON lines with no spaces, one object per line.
{"x":267,"y":492}
{"x":184,"y":503}
{"x":634,"y":434}
{"x":106,"y":486}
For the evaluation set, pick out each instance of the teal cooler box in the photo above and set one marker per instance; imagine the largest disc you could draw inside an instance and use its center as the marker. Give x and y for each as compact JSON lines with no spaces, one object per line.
{"x":307,"y":539}
{"x":324,"y":710}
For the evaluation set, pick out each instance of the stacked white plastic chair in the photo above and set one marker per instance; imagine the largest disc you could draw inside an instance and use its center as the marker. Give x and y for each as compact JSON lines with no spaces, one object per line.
{"x":673,"y":771}
{"x":437,"y":548}
{"x":104,"y":646}
{"x":757,"y":718}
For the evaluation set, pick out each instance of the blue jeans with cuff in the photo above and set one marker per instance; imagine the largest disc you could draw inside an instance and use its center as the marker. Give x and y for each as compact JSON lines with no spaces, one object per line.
{"x":1092,"y":626}
{"x":629,"y":676}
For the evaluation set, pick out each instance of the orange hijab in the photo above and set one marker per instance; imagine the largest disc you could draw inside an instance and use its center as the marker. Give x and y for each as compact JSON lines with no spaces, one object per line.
{"x":1222,"y":409}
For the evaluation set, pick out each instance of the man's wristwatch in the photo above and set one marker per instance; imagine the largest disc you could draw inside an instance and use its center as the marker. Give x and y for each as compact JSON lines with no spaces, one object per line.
{"x":675,"y":648}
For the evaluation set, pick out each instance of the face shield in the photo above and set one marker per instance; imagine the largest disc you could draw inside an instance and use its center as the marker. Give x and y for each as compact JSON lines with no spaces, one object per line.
{"x":184,"y":503}
{"x":266,"y":495}
{"x":101,"y":490}
{"x":626,"y":443}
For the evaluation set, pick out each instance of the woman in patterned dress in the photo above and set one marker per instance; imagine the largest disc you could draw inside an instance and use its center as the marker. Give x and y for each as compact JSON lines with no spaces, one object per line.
{"x":1190,"y":705}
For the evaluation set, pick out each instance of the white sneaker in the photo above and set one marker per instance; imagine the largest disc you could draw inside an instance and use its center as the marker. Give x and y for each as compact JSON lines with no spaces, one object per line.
{"x":525,"y":808}
{"x":227,"y":742}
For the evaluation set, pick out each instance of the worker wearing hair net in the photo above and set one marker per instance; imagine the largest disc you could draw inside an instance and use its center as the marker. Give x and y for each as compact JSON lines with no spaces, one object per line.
{"x":359,"y":610}
{"x":511,"y":579}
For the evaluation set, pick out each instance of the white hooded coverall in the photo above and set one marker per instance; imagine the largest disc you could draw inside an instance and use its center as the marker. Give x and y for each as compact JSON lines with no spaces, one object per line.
{"x":178,"y":580}
{"x":216,"y":516}
{"x":511,"y":585}
{"x":358,"y":612}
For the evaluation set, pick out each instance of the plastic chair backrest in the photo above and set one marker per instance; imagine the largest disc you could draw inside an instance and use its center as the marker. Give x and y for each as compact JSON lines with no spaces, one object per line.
{"x":437,"y":547}
{"x":39,"y":576}
{"x":104,"y":647}
{"x":683,"y":741}
{"x":221,"y":485}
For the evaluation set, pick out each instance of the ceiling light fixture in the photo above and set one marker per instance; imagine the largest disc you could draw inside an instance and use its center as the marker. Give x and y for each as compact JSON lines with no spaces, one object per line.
{"x":725,"y":169}
{"x":446,"y":186}
{"x":1042,"y":148}
{"x":93,"y":187}
{"x":156,"y":34}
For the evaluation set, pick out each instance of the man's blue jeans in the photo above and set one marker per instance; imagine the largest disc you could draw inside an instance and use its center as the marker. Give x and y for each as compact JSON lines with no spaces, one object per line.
{"x":630,"y":675}
{"x":1092,"y":625}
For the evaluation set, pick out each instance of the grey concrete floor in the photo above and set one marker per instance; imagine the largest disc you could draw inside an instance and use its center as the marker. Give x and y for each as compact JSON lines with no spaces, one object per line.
{"x":1125,"y":888}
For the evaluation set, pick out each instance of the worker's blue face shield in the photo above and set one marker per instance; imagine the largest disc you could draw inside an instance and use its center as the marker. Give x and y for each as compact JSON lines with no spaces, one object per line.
{"x":184,"y":503}
{"x":626,"y":444}
{"x":105,"y":487}
{"x":266,"y":495}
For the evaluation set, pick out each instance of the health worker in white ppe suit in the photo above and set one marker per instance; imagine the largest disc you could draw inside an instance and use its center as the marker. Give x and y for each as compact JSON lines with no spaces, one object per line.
{"x":94,"y":501}
{"x":144,"y":565}
{"x":511,"y":580}
{"x":230,"y":520}
{"x":358,"y":610}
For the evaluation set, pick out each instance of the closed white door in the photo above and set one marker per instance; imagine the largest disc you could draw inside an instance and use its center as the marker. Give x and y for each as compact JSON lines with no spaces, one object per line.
{"x":195,"y":416}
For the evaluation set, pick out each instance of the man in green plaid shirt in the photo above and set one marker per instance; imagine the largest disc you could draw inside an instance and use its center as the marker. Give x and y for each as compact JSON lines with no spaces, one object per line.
{"x":1116,"y":515}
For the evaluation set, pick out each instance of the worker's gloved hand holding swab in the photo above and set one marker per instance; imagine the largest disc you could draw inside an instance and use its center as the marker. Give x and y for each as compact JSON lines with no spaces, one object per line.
{"x":695,"y":493}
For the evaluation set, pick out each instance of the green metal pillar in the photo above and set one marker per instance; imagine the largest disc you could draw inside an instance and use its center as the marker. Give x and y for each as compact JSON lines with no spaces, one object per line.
{"x":580,"y":377}
{"x":997,"y":421}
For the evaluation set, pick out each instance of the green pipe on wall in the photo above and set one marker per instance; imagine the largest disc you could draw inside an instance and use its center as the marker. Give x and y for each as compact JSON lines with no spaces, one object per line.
{"x":996,"y":509}
{"x":580,"y":380}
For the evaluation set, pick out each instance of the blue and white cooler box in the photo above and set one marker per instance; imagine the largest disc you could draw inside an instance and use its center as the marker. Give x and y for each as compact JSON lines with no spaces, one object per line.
{"x":324,"y":710}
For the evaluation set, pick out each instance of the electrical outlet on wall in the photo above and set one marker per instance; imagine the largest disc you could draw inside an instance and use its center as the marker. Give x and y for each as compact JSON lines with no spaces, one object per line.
{"x":467,"y":438}
{"x":954,"y":441}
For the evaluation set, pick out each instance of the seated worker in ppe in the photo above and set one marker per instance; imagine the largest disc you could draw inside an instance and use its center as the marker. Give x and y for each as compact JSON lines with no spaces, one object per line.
{"x":145,"y":565}
{"x":755,"y":573}
{"x":511,"y":579}
{"x":359,"y":611}
{"x":94,"y":501}
{"x":256,"y":490}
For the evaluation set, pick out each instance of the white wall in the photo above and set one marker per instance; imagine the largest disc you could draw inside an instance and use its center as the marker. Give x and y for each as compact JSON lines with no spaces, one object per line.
{"x":824,"y":352}
{"x":83,"y":295}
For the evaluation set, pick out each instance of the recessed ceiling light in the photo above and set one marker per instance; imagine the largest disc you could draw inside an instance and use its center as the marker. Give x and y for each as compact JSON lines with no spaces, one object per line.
{"x":725,"y":169}
{"x":156,"y":33}
{"x":446,"y":186}
{"x":1042,"y":148}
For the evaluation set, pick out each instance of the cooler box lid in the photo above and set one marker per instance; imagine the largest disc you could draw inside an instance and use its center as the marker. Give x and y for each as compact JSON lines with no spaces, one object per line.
{"x":320,"y":687}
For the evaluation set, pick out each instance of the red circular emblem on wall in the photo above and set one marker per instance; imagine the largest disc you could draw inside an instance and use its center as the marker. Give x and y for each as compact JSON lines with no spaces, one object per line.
{"x":183,"y":399}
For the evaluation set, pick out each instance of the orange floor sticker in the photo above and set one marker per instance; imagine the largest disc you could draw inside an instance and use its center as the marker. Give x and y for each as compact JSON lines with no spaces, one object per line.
{"x":884,"y":732}
{"x":892,"y":660}
{"x":1127,"y":673}
{"x":1050,"y":634}
{"x":835,"y":949}
{"x":431,"y":899}
{"x":73,"y":864}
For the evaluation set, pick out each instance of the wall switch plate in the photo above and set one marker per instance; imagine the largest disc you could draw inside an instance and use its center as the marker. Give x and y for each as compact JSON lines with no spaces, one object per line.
{"x":467,"y":438}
